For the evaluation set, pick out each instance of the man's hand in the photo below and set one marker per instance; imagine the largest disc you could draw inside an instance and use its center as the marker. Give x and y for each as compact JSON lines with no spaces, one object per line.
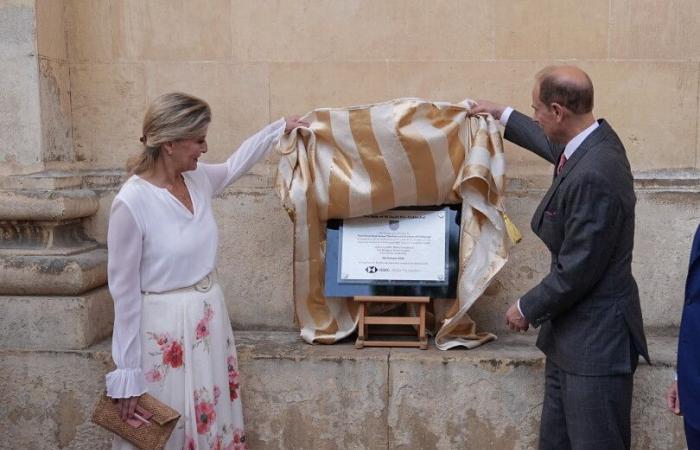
{"x":515,"y":320}
{"x":293,"y":122}
{"x":672,"y":400}
{"x":485,"y":106}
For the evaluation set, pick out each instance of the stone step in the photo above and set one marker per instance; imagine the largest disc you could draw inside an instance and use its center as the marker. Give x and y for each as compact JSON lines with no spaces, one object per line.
{"x":47,"y":204}
{"x":298,"y":396}
{"x":55,"y":322}
{"x":58,"y":275}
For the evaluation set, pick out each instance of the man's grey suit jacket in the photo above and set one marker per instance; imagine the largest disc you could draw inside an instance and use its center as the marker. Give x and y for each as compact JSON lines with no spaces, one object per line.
{"x":588,"y":304}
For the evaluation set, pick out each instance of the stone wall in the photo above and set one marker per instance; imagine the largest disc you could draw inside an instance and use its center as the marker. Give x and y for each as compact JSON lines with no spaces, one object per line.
{"x":256,"y":61}
{"x":75,"y":81}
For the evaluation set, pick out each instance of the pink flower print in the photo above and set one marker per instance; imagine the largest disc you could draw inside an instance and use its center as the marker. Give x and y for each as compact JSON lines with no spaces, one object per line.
{"x":208,"y":312}
{"x":232,"y":362}
{"x":238,"y":441}
{"x":189,"y":443}
{"x":218,"y":443}
{"x":233,"y":384}
{"x":163,"y":340}
{"x":173,"y":355}
{"x":217,"y":394}
{"x":154,"y":376}
{"x":205,"y":416}
{"x":202,"y":329}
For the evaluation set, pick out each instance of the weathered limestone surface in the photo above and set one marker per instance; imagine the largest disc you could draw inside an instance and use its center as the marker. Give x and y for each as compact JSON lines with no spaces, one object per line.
{"x":46,"y":204}
{"x":257,"y":61}
{"x":53,"y":275}
{"x":255,"y":253}
{"x":54,"y":322}
{"x":20,"y":110}
{"x":298,"y":396}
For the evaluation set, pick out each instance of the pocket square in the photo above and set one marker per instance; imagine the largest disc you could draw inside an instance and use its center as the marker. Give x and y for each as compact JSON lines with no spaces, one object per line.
{"x":550,"y":214}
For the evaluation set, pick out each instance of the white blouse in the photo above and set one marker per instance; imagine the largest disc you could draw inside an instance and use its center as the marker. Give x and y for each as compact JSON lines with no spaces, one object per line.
{"x":156,"y":244}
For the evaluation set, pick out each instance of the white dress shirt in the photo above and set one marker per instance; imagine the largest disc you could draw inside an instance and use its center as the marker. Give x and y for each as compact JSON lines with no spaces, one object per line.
{"x":569,"y":150}
{"x":156,"y":244}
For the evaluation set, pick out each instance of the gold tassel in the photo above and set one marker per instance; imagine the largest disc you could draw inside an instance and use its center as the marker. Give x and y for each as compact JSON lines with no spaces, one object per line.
{"x":513,"y":232}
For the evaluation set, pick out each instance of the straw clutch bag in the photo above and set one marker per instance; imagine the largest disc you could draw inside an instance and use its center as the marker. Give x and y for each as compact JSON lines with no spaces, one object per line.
{"x":150,"y":427}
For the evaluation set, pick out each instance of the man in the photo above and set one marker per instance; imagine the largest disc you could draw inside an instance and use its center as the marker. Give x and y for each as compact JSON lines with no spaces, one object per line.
{"x":684,"y":395}
{"x":588,"y":304}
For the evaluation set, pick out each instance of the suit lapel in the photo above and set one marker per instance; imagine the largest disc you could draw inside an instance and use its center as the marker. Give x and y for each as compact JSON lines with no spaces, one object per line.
{"x":583,"y":150}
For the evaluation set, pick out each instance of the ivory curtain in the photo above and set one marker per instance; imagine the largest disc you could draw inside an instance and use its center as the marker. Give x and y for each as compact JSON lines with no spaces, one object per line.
{"x":366,"y":159}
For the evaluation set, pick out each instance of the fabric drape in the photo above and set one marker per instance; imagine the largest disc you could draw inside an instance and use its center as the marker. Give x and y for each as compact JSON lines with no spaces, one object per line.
{"x":360,"y":160}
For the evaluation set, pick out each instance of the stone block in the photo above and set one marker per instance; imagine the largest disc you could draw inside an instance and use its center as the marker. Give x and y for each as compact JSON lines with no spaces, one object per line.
{"x":297,"y":395}
{"x":47,"y":205}
{"x":56,"y":124}
{"x":320,"y":397}
{"x":17,"y":29}
{"x":71,"y":274}
{"x":362,"y":30}
{"x":255,"y":259}
{"x":108,"y":101}
{"x":96,"y":225}
{"x":237,"y":93}
{"x":167,"y":30}
{"x":50,"y":29}
{"x":628,"y":94}
{"x":654,"y":30}
{"x":296,"y":88}
{"x":20,"y":114}
{"x":49,"y":397}
{"x":666,"y":223}
{"x":89,"y":31}
{"x":666,"y":220}
{"x":44,"y":180}
{"x":551,"y":29}
{"x":490,"y":397}
{"x":55,"y":322}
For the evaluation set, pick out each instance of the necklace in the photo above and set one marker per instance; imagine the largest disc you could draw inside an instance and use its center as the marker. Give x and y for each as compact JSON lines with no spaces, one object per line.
{"x":180,"y":192}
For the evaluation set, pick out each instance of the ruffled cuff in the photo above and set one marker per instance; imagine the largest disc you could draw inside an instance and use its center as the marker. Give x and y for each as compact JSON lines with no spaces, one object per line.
{"x":125,"y":383}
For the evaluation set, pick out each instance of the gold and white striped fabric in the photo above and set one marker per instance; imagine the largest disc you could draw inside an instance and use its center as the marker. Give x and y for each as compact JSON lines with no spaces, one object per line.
{"x":367,"y":159}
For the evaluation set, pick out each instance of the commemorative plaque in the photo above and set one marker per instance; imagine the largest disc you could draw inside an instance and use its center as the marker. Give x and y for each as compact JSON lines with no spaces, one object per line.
{"x":409,"y":251}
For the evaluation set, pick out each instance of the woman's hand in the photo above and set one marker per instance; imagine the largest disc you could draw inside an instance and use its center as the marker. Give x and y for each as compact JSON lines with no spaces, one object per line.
{"x":672,"y":400}
{"x":126,"y":407}
{"x":293,"y":122}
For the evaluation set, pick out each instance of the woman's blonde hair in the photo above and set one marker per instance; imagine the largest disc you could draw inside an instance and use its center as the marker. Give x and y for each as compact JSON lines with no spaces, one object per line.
{"x":170,"y":117}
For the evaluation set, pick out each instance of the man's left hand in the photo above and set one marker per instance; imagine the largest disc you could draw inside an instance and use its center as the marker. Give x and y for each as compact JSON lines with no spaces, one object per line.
{"x":515,"y":320}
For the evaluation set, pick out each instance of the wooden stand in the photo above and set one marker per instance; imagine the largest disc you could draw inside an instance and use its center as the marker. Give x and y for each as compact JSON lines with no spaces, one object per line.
{"x":365,"y":320}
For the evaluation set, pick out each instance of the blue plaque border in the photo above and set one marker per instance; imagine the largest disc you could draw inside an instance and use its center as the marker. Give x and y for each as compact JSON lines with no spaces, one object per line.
{"x":433,"y":289}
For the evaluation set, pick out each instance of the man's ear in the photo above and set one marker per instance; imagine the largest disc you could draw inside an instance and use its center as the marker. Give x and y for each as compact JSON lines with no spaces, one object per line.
{"x":558,"y":111}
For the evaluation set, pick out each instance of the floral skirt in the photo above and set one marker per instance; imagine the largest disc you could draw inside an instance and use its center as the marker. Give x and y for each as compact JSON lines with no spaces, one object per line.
{"x":189,"y":360}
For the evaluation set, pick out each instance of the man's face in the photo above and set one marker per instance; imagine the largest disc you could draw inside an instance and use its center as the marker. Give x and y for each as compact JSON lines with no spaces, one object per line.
{"x":544,"y":115}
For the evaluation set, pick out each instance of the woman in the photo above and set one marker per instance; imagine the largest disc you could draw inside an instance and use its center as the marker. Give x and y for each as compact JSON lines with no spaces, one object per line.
{"x":172,"y":334}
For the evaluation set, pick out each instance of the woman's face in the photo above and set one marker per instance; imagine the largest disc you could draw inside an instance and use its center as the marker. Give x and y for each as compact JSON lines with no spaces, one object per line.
{"x":186,"y":152}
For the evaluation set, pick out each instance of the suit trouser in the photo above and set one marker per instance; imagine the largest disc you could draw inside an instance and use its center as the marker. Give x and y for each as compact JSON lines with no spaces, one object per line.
{"x":692,"y":436}
{"x":584,"y":412}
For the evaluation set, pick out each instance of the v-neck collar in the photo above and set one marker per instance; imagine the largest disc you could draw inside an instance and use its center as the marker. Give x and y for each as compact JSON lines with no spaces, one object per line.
{"x":191,"y":214}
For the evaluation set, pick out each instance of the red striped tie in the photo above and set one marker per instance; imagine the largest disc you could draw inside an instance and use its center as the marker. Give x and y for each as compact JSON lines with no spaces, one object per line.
{"x":562,"y":161}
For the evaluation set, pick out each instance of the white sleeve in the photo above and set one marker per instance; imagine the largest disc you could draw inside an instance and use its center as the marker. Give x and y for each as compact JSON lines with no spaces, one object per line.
{"x":505,"y":115}
{"x":250,"y":152}
{"x":124,"y":241}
